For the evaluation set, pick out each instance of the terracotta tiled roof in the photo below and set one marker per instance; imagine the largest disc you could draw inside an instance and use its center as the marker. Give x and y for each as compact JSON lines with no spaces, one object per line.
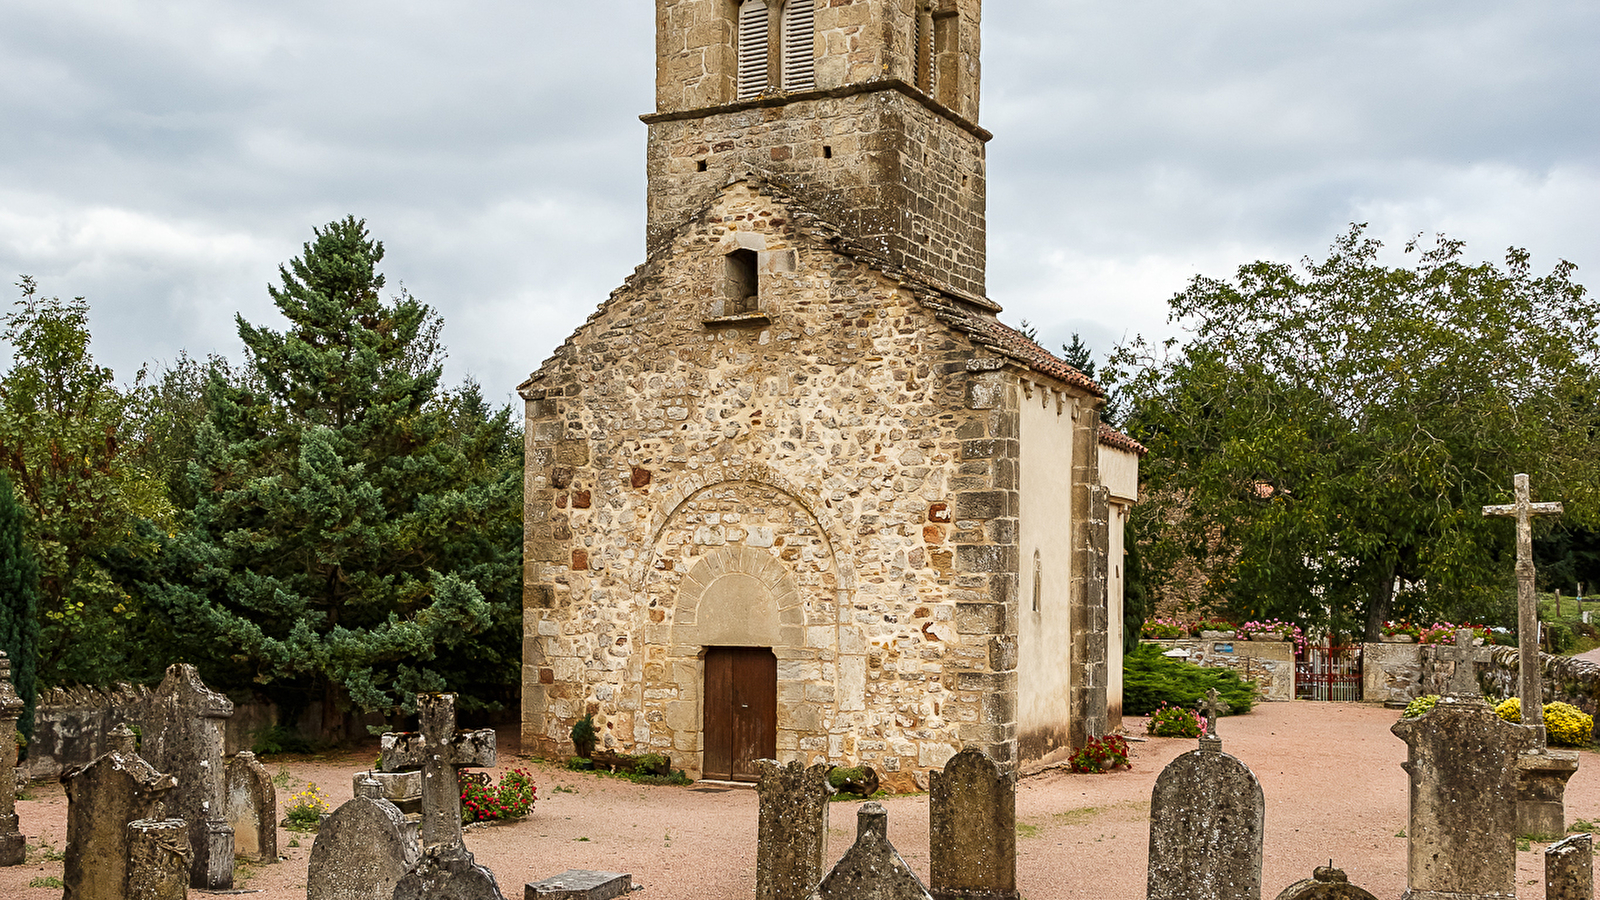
{"x":1013,"y":344}
{"x":1114,"y":438}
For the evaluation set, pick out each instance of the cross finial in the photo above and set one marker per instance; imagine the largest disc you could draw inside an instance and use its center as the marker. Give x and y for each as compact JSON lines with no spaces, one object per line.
{"x":1211,"y":708}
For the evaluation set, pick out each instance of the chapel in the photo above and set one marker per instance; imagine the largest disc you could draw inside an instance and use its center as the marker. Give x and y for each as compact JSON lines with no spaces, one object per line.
{"x":793,"y":490}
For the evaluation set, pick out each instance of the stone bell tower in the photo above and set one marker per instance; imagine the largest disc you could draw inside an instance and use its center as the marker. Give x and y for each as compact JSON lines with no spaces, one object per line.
{"x":867,"y":108}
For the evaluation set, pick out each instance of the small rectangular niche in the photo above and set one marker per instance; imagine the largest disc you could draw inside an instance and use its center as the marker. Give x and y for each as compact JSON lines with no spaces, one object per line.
{"x":700,"y":165}
{"x":827,"y":152}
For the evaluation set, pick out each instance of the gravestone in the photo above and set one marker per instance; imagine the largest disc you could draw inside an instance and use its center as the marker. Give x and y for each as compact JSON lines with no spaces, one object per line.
{"x":1207,"y":821}
{"x":1569,"y":869}
{"x":252,"y":808}
{"x":183,"y":735}
{"x":158,"y":859}
{"x":361,"y":852}
{"x":972,"y":830}
{"x":580,"y":884}
{"x":403,"y":789}
{"x":118,"y":787}
{"x":871,"y":869}
{"x":1461,"y":761}
{"x":1325,"y":883}
{"x":13,"y":845}
{"x":447,"y":869}
{"x":792,"y":829}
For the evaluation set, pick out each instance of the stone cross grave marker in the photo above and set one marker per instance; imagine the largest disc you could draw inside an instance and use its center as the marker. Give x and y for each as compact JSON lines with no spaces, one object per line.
{"x":1464,"y":677}
{"x":441,"y":752}
{"x":1528,"y":686}
{"x":183,"y":736}
{"x":13,"y":846}
{"x":1207,"y":821}
{"x":972,"y":829}
{"x":1211,"y":709}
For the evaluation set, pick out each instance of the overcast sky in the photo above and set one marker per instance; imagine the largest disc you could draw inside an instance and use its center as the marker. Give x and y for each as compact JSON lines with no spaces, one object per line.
{"x":161,"y":158}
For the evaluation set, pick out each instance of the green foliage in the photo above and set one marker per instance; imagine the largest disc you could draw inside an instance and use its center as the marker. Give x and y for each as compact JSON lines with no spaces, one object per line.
{"x":355,"y":531}
{"x":63,"y":437}
{"x":19,"y":605}
{"x":1078,"y":355}
{"x":583,"y":734}
{"x":1136,"y":606}
{"x":512,"y":798}
{"x":1326,"y":433}
{"x":1102,"y":754}
{"x":1421,"y":705}
{"x":276,"y":740}
{"x":1173,"y":721}
{"x":1150,"y":679}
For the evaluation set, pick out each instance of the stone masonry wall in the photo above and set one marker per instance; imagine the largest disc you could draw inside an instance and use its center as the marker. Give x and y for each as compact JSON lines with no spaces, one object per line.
{"x":886,"y":168}
{"x":829,"y":451}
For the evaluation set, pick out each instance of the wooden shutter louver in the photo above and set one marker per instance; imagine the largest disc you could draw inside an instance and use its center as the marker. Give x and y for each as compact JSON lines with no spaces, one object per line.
{"x":799,"y":45}
{"x":752,"y":48}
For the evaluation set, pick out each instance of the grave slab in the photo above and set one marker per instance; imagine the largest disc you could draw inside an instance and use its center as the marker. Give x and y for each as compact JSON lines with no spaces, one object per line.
{"x":361,"y":852}
{"x":580,"y":884}
{"x":252,"y":809}
{"x":972,"y":812}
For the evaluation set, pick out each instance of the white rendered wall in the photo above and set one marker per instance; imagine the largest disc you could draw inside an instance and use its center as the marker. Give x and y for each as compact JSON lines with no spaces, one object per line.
{"x":1044,"y":482}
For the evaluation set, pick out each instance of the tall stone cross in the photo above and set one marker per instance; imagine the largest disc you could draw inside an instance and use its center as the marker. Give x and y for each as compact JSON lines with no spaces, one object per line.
{"x":440,"y":751}
{"x":1528,"y":682}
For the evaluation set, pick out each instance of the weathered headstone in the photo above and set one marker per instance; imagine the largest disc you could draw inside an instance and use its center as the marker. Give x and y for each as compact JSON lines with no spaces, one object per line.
{"x":13,"y":845}
{"x":1325,"y":883}
{"x":252,"y":808}
{"x":1542,"y":775}
{"x":1207,"y":821}
{"x":580,"y":884}
{"x":116,"y":788}
{"x":871,"y":869}
{"x":158,"y":859}
{"x":1463,"y":816}
{"x":972,"y":826}
{"x":361,"y":852}
{"x":403,"y":789}
{"x":183,"y":735}
{"x":447,"y":869}
{"x":792,"y":829}
{"x":1569,"y":869}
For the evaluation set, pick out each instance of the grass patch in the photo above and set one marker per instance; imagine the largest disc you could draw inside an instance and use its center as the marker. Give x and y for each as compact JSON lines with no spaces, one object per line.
{"x":1024,"y":830}
{"x":1581,"y":825}
{"x":47,"y":881}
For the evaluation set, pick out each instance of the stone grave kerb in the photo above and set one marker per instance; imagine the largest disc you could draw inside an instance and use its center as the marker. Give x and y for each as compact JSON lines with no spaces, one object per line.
{"x":184,"y":736}
{"x":440,"y":751}
{"x":13,"y":845}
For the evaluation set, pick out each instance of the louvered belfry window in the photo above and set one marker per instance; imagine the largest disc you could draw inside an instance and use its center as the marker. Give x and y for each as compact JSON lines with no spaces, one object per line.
{"x":752,"y":48}
{"x":799,"y":45}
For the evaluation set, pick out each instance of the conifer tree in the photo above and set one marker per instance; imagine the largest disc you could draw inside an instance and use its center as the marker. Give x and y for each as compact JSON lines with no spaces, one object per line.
{"x":19,"y":604}
{"x":355,"y":531}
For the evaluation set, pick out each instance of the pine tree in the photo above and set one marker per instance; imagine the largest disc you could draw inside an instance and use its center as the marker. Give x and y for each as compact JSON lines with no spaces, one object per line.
{"x":19,"y":604}
{"x":1078,"y":355}
{"x":355,"y":532}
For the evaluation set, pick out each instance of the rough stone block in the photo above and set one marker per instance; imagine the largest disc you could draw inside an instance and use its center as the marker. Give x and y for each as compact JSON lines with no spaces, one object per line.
{"x":580,"y":884}
{"x":158,"y":860}
{"x":1569,"y":869}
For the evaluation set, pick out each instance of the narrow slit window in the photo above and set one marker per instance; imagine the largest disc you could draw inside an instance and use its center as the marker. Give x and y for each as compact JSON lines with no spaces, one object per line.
{"x":753,"y":16}
{"x":799,"y":45}
{"x":741,"y":284}
{"x":1038,"y":580}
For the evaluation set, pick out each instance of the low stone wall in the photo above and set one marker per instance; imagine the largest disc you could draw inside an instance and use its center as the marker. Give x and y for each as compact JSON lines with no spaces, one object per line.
{"x":71,"y":725}
{"x":1268,"y":664}
{"x":1391,"y":672}
{"x":1568,"y":680}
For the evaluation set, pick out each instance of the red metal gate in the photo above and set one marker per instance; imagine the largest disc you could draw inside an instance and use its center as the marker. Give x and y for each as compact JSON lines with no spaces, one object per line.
{"x":1329,"y":672}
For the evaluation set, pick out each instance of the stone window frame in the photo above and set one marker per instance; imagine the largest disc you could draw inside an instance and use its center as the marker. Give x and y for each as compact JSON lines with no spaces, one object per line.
{"x":729,"y":304}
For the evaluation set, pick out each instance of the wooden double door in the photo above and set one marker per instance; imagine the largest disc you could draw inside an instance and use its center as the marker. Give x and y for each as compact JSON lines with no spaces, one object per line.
{"x":741,"y":711}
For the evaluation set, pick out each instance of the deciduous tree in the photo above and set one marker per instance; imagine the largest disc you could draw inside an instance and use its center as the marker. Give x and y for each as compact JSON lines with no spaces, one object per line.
{"x":1323,"y":438}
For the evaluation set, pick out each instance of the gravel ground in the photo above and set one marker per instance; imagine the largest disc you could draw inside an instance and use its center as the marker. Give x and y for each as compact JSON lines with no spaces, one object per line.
{"x":1331,"y":773}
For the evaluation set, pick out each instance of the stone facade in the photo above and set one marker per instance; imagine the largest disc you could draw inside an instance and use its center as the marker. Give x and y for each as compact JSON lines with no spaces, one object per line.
{"x":800,"y":427}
